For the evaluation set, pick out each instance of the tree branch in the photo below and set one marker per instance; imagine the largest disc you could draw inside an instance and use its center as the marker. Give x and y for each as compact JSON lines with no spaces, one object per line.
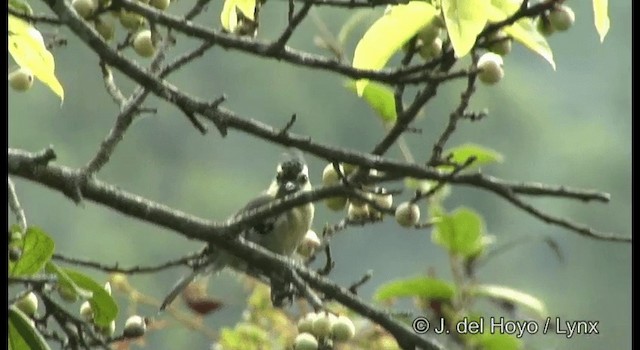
{"x":56,"y":177}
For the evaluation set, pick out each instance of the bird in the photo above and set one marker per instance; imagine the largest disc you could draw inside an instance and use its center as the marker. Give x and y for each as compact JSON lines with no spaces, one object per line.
{"x":280,"y":234}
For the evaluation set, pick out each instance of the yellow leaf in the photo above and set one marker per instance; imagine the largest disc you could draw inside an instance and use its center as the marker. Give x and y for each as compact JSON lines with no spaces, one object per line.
{"x":523,"y":31}
{"x":229,"y":16}
{"x":601,"y":17}
{"x":388,"y":34}
{"x":465,"y":19}
{"x":27,"y":48}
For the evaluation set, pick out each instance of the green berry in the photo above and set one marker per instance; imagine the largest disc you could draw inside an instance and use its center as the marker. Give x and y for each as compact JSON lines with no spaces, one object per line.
{"x":143,"y":45}
{"x":160,"y":4}
{"x":544,"y":27}
{"x":407,"y":214}
{"x":21,"y":79}
{"x":86,"y":312}
{"x":305,"y":324}
{"x":357,"y":212}
{"x":432,"y":49}
{"x":501,"y":43}
{"x":562,"y":18}
{"x":131,"y":21}
{"x":84,"y":8}
{"x":135,"y":326}
{"x":490,"y":65}
{"x":109,"y":330}
{"x":343,"y":329}
{"x":321,"y":326}
{"x":28,"y":304}
{"x":305,"y":341}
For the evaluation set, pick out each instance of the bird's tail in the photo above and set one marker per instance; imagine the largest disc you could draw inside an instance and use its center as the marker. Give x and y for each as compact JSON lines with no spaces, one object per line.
{"x":206,"y":269}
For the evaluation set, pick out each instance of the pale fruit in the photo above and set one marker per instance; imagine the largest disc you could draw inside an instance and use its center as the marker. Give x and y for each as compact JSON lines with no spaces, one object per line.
{"x":321,"y":326}
{"x":143,"y":45}
{"x":343,"y":329}
{"x":134,"y":327}
{"x":431,"y":50}
{"x":305,"y":341}
{"x":490,"y":65}
{"x":544,"y":27}
{"x":160,"y":4}
{"x":28,"y":304}
{"x":357,"y":212}
{"x":407,"y":214}
{"x":21,"y":79}
{"x":562,"y":18}
{"x":502,"y":43}
{"x":84,"y":8}
{"x":305,"y":324}
{"x":131,"y":21}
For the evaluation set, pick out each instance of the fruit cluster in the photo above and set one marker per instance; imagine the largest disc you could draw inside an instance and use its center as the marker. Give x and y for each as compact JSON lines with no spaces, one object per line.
{"x":407,"y":214}
{"x":322,"y":328}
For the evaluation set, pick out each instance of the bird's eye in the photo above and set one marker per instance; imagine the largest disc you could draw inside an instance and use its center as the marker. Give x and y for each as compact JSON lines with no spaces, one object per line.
{"x":303,"y":178}
{"x":279,"y":176}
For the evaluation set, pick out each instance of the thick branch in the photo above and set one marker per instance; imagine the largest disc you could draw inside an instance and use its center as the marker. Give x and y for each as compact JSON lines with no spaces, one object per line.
{"x":57,"y":178}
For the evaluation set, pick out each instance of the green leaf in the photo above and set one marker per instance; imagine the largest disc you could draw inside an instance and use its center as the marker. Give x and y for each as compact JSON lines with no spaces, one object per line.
{"x":388,"y":34}
{"x":601,"y":17}
{"x":64,"y":281}
{"x":499,"y":341}
{"x":104,"y":307}
{"x":460,"y":232}
{"x":423,"y":287}
{"x":21,"y":6}
{"x":462,"y":153}
{"x":37,"y":248}
{"x":465,"y":19}
{"x":380,"y":98}
{"x":523,"y":31}
{"x":512,"y":296}
{"x":27,"y":48}
{"x":22,"y":336}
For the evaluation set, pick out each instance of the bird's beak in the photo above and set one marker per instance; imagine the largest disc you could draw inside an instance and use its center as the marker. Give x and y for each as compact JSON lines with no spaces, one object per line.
{"x":287,"y":188}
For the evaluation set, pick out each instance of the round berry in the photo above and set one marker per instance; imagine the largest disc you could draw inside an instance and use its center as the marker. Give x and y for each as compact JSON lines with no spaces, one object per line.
{"x":501,"y":43}
{"x":84,"y":8}
{"x":143,"y":45}
{"x":431,"y":49}
{"x":305,"y":324}
{"x":131,"y":20}
{"x":562,"y":18}
{"x":321,"y":326}
{"x":21,"y":79}
{"x":135,"y":326}
{"x":305,"y":341}
{"x":86,"y":312}
{"x":544,"y":27}
{"x":407,"y":214}
{"x":160,"y":4}
{"x":28,"y":304}
{"x":343,"y":329}
{"x":490,"y":65}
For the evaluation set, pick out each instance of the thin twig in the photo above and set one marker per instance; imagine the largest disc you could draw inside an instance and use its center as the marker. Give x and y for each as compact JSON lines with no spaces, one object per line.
{"x":182,"y":261}
{"x":16,"y":208}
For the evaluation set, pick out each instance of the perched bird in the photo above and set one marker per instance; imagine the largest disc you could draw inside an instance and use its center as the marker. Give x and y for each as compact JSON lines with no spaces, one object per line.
{"x":280,"y":234}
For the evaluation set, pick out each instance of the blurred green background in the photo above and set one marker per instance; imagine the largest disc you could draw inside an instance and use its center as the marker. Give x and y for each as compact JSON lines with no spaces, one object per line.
{"x":571,"y":127}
